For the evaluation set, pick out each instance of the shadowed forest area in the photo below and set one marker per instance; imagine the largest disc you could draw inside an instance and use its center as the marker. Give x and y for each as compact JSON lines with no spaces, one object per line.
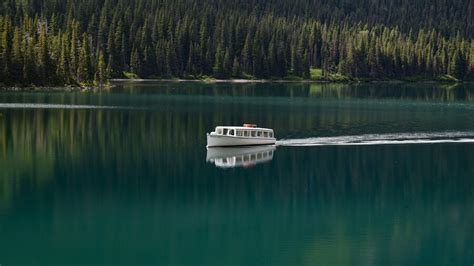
{"x":85,"y":42}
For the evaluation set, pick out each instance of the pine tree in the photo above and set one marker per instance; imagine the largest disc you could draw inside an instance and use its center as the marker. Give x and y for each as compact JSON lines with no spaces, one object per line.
{"x":109,"y":69}
{"x":135,"y":62}
{"x":471,"y":60}
{"x":297,"y":66}
{"x":247,"y":56}
{"x":190,"y":65}
{"x":458,"y":65}
{"x":203,"y":36}
{"x":62,"y":71}
{"x":305,"y":65}
{"x":43,"y":41}
{"x":84,"y":65}
{"x":17,"y":55}
{"x":27,"y":61}
{"x":5,"y":50}
{"x":228,"y":63}
{"x":101,"y":74}
{"x":219,"y":63}
{"x":45,"y":68}
{"x":236,"y":69}
{"x":73,"y":54}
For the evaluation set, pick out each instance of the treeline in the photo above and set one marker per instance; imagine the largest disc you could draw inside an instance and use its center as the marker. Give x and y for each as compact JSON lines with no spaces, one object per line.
{"x":46,"y":42}
{"x":31,"y":53}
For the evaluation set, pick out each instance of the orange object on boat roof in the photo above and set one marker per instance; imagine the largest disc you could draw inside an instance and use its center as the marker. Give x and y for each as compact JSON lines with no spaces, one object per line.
{"x":250,"y":125}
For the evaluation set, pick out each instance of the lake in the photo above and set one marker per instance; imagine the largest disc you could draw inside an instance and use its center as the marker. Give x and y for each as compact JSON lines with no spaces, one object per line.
{"x":362,"y":174}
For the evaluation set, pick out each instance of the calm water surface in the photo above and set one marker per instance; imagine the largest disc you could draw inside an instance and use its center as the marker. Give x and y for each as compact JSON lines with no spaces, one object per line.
{"x":362,"y":175}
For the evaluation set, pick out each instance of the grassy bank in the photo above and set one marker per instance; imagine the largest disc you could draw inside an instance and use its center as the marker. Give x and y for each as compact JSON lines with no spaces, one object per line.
{"x":316,"y":75}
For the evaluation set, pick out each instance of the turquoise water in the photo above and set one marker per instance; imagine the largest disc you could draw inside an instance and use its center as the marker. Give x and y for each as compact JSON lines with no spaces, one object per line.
{"x":372,"y":174}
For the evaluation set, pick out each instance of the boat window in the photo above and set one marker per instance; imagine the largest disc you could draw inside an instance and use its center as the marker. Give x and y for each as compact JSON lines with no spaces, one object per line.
{"x":246,"y":133}
{"x":271,"y":134}
{"x":219,"y":131}
{"x":265,"y":134}
{"x":253,"y":133}
{"x":239,"y":133}
{"x":259,"y":133}
{"x":231,"y":132}
{"x":225,"y":131}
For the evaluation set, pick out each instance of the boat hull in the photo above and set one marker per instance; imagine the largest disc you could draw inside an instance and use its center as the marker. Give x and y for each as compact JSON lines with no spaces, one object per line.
{"x":248,"y":156}
{"x":231,"y":141}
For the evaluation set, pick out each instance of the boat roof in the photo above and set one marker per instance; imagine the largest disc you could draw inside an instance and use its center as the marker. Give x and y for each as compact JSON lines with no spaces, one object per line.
{"x":245,"y":128}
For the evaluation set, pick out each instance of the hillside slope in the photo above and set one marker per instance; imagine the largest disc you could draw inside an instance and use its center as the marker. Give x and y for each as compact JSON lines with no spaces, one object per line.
{"x":47,"y":42}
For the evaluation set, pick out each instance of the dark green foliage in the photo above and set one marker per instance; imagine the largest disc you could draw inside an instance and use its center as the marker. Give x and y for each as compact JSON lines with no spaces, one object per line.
{"x":101,"y":74}
{"x":46,"y":42}
{"x":459,"y":65}
{"x":471,"y":61}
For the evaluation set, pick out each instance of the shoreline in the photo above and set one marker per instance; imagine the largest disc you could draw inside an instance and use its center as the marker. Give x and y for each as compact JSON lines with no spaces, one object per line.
{"x":250,"y":81}
{"x":114,"y":82}
{"x":67,"y":88}
{"x":233,"y":81}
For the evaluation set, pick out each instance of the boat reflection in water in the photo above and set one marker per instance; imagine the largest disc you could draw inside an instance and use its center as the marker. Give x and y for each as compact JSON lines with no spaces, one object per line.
{"x":240,"y":156}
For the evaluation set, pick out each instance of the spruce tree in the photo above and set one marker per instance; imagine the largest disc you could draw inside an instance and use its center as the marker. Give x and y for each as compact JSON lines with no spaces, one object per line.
{"x":5,"y":50}
{"x":44,"y":66}
{"x":175,"y":38}
{"x":135,"y":62}
{"x":471,"y":60}
{"x":84,"y":65}
{"x":101,"y":74}
{"x":73,"y":53}
{"x":218,"y":68}
{"x":236,"y":68}
{"x":17,"y":55}
{"x":228,"y":63}
{"x":458,"y":65}
{"x":62,"y":70}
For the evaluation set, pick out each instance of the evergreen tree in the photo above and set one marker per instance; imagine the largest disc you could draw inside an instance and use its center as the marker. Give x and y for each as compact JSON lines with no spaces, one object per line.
{"x":236,"y":68}
{"x":17,"y":67}
{"x":471,"y":60}
{"x":29,"y":73}
{"x":43,"y":42}
{"x":101,"y":74}
{"x":219,"y":63}
{"x":458,"y":65}
{"x":247,"y":55}
{"x":73,"y":54}
{"x":228,"y":63}
{"x":5,"y":50}
{"x":62,"y":71}
{"x":135,"y":62}
{"x":44,"y":66}
{"x":84,"y":69}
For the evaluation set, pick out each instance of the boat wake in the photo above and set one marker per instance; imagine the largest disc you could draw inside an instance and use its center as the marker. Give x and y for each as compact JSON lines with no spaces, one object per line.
{"x":382,"y":139}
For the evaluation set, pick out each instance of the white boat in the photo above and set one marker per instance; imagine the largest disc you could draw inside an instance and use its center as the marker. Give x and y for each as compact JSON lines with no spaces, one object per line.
{"x":247,"y":135}
{"x":230,"y":157}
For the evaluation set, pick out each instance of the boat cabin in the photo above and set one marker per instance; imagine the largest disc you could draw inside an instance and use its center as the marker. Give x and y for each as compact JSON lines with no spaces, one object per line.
{"x":245,"y":131}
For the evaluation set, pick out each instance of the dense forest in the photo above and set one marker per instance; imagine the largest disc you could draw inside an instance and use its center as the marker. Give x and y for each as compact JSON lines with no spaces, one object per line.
{"x":55,"y":42}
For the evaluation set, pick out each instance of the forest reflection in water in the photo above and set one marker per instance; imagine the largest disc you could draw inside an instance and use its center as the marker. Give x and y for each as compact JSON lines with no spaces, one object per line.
{"x":131,"y":185}
{"x":382,"y":90}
